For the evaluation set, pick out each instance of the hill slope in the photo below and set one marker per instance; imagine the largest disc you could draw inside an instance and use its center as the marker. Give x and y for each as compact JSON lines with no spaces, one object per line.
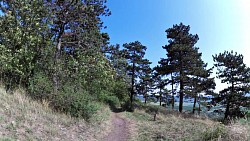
{"x":24,"y":119}
{"x":171,"y":125}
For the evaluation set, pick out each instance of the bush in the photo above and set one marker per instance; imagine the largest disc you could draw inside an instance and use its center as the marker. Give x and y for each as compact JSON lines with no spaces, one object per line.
{"x":112,"y":101}
{"x":40,"y":86}
{"x":77,"y":104}
{"x":109,"y":99}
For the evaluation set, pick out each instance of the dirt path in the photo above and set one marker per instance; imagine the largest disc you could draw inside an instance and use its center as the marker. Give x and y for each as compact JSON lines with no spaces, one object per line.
{"x":120,"y":129}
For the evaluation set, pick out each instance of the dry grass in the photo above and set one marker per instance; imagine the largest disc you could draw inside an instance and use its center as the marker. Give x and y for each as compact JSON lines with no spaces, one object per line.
{"x":24,"y":119}
{"x":176,"y":127}
{"x":239,"y":131}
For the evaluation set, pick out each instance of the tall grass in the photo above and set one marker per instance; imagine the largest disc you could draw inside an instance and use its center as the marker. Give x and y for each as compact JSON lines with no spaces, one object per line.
{"x":173,"y":126}
{"x":24,"y":119}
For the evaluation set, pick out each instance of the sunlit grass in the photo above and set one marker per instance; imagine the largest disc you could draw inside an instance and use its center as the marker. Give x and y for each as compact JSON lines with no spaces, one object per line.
{"x":174,"y":126}
{"x":24,"y":119}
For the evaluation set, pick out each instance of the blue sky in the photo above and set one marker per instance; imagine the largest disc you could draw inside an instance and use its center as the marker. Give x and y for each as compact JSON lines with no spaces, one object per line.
{"x":220,"y":24}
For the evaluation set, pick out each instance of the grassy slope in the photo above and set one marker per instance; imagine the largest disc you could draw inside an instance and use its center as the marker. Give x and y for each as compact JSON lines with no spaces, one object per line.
{"x":24,"y":119}
{"x":174,"y":126}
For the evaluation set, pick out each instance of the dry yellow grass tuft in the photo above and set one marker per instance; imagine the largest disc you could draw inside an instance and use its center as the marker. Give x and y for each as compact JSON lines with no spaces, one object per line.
{"x":24,"y":119}
{"x":238,"y":132}
{"x":176,"y":127}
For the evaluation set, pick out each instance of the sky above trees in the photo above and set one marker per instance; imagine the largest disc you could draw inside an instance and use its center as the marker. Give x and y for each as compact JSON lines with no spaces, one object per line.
{"x":221,"y":25}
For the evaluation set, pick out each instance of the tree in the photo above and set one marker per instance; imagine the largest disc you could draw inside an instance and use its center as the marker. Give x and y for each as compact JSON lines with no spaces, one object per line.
{"x":180,"y":52}
{"x":24,"y":34}
{"x":119,"y":63}
{"x":76,"y":27}
{"x":200,"y":81}
{"x":58,"y":43}
{"x":145,"y":79}
{"x":232,"y":70}
{"x":160,"y":84}
{"x":134,"y":53}
{"x":165,"y":69}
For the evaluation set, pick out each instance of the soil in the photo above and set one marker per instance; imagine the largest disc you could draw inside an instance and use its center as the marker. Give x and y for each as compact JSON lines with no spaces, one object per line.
{"x":120,"y":130}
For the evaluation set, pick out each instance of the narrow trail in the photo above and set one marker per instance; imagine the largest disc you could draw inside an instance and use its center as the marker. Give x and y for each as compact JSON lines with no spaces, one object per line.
{"x":120,"y":129}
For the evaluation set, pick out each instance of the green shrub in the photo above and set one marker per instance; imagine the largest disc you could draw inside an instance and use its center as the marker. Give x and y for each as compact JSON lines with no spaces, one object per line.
{"x":112,"y":101}
{"x":40,"y":86}
{"x":152,"y":109}
{"x":76,"y":103}
{"x":152,"y":99}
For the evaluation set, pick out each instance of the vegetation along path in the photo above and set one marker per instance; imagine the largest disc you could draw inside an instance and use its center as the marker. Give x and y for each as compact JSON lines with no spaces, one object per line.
{"x":119,"y":129}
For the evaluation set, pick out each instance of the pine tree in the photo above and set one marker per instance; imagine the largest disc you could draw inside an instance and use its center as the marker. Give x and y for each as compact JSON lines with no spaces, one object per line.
{"x":180,"y":52}
{"x":134,"y":53}
{"x":200,"y":81}
{"x":163,"y":70}
{"x":232,"y":70}
{"x":160,"y":84}
{"x":145,"y":79}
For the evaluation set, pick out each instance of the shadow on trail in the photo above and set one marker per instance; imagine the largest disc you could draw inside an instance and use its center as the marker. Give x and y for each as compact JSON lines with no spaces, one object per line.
{"x":117,"y":110}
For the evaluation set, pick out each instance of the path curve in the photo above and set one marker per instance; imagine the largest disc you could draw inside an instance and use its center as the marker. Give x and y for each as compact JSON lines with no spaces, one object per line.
{"x":120,"y":130}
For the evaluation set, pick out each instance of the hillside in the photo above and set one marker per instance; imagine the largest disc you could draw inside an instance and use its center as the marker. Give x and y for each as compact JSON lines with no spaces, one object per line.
{"x":24,"y":119}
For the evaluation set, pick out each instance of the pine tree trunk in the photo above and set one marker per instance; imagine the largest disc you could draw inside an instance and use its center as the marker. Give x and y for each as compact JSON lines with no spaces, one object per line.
{"x":172,"y":91}
{"x":228,"y":103}
{"x":199,"y":104}
{"x":160,"y":96}
{"x":195,"y":98}
{"x":227,"y":109}
{"x":181,"y":96}
{"x":132,"y":88}
{"x":181,"y":84}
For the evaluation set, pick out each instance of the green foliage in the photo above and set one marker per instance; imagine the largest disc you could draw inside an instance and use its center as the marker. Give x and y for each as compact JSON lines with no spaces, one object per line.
{"x":58,"y":56}
{"x":23,"y":34}
{"x":113,"y":101}
{"x":248,"y":114}
{"x":232,"y":70}
{"x":40,"y":86}
{"x":134,"y":53}
{"x":152,"y":99}
{"x":183,"y":58}
{"x":76,"y":103}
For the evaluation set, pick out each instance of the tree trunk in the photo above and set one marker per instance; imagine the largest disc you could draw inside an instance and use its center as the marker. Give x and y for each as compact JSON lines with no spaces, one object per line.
{"x":181,"y":95}
{"x":56,"y":65}
{"x":160,"y":96}
{"x":132,"y":88}
{"x":199,"y":104}
{"x":227,"y":109}
{"x":228,"y":103}
{"x":57,"y":59}
{"x":181,"y":90}
{"x":181,"y":84}
{"x":195,"y":98}
{"x":172,"y":91}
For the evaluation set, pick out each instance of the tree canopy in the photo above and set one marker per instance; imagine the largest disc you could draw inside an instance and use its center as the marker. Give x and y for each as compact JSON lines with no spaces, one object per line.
{"x":56,"y":50}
